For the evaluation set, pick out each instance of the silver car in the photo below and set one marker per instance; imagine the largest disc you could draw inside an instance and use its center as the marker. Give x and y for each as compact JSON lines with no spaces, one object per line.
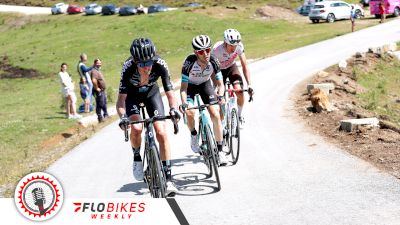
{"x":330,"y":11}
{"x":93,"y":9}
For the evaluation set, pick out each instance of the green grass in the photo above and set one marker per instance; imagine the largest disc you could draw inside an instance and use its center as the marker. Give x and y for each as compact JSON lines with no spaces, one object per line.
{"x":287,"y":3}
{"x":30,"y":112}
{"x":382,"y":89}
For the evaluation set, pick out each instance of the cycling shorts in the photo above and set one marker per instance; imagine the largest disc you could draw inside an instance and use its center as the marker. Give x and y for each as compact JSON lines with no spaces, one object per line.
{"x":205,"y":90}
{"x":232,"y":73}
{"x":151,"y":99}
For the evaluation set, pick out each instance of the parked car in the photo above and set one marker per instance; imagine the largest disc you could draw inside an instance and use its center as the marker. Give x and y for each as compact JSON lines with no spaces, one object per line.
{"x":330,"y":11}
{"x":59,"y":8}
{"x":392,"y":7}
{"x":304,"y":9}
{"x":128,"y":10}
{"x":192,"y":4}
{"x":75,"y":9}
{"x":93,"y":9}
{"x":365,"y":3}
{"x":109,"y":9}
{"x":157,"y":8}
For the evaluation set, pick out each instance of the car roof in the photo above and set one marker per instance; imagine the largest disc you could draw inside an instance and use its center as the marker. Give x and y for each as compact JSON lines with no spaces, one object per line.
{"x":329,"y":2}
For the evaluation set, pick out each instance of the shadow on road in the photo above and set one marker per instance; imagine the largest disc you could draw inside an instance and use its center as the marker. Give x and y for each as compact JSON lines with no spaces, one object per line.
{"x":193,"y":183}
{"x":139,"y":188}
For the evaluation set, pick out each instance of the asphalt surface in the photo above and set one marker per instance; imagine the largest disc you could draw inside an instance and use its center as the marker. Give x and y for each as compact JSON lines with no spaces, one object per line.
{"x":25,"y":9}
{"x":285,"y":175}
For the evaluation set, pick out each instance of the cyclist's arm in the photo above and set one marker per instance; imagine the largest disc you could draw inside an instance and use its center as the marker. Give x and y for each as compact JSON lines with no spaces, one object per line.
{"x":219,"y":84}
{"x":184,"y":86}
{"x":123,"y":92}
{"x":171,"y":99}
{"x":245,"y":68}
{"x":121,"y":105}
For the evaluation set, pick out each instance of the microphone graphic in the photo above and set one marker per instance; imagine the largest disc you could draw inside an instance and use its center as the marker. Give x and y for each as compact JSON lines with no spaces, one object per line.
{"x":39,"y":199}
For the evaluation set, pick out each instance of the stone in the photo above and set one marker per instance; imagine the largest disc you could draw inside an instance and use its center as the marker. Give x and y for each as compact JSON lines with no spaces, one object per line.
{"x":353,"y":124}
{"x":325,"y":87}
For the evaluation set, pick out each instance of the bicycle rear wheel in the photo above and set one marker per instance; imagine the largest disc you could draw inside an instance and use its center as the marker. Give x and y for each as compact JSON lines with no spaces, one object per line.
{"x":213,"y":154}
{"x":234,"y":139}
{"x":157,"y":179}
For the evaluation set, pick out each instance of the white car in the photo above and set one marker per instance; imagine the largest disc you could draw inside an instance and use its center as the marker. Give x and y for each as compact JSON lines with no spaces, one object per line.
{"x":333,"y":10}
{"x":93,"y":9}
{"x":59,"y":8}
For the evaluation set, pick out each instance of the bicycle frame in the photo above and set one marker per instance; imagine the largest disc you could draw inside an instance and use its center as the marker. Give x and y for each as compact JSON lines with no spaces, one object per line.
{"x":157,"y":178}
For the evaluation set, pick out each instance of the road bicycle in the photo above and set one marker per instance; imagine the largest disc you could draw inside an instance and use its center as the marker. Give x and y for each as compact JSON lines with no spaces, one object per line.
{"x":208,"y":147}
{"x":231,"y":121}
{"x":154,"y":175}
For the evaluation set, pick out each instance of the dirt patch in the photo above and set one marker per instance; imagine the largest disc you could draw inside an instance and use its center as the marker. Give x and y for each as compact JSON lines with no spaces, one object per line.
{"x":279,"y":13}
{"x":379,"y":146}
{"x":219,"y":12}
{"x":266,"y":13}
{"x":10,"y":72}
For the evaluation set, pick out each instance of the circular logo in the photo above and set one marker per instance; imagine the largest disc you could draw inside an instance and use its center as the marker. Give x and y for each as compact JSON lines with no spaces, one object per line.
{"x":38,"y":196}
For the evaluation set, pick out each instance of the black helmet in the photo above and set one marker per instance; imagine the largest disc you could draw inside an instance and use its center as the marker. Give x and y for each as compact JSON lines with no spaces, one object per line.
{"x":142,"y":49}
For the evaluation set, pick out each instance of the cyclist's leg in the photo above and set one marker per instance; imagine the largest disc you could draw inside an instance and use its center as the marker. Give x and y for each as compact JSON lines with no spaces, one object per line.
{"x":236,"y":79}
{"x":155,"y":107}
{"x":208,"y":95}
{"x":132,"y":111}
{"x":192,"y":90}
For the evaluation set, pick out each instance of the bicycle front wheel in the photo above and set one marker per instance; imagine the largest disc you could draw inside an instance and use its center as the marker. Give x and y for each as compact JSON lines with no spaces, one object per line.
{"x":234,"y":138}
{"x":157,"y":180}
{"x":212,"y":154}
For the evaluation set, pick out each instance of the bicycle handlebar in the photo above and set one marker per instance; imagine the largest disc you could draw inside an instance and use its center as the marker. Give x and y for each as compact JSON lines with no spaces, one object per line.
{"x":151,"y":120}
{"x":241,"y":91}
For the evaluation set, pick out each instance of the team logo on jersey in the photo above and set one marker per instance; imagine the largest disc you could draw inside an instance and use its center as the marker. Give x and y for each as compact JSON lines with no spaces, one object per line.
{"x":38,"y":196}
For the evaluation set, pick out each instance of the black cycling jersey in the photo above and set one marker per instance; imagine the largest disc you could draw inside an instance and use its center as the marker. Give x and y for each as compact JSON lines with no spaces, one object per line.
{"x":131,"y":82}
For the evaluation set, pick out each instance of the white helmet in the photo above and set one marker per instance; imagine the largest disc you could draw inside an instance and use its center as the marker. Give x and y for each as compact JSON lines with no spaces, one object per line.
{"x":201,"y":42}
{"x":232,"y":36}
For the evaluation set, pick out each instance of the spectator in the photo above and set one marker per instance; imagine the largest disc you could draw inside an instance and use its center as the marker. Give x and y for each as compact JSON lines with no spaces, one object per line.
{"x":382,"y":11}
{"x":67,"y":90}
{"x":85,"y":84}
{"x":353,"y":16}
{"x":99,"y":87}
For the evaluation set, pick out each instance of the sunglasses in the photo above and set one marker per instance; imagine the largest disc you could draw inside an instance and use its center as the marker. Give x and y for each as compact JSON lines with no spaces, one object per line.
{"x":145,"y":63}
{"x":202,"y":51}
{"x":234,"y":42}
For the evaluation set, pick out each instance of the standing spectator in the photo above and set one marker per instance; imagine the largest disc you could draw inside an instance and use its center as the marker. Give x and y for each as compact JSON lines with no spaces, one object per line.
{"x":67,"y":90}
{"x":382,"y":11}
{"x":99,"y":87}
{"x":86,"y":85}
{"x":352,"y":17}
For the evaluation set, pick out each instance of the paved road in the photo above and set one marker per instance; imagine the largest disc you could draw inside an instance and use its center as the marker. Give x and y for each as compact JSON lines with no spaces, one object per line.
{"x":284,"y":175}
{"x":25,"y":9}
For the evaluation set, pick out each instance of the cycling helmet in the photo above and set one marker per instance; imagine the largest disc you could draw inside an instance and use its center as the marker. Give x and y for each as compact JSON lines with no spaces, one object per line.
{"x":142,"y":49}
{"x":201,"y":42}
{"x":232,"y":36}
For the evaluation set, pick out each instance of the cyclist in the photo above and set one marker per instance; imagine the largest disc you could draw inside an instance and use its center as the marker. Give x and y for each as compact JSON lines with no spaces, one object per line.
{"x":197,"y":70}
{"x":226,"y":52}
{"x":138,"y":84}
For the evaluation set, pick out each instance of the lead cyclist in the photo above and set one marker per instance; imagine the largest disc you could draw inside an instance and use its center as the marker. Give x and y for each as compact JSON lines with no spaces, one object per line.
{"x":226,"y":52}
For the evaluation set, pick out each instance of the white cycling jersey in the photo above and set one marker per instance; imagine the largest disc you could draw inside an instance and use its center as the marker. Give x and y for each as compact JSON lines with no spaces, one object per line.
{"x":225,"y":59}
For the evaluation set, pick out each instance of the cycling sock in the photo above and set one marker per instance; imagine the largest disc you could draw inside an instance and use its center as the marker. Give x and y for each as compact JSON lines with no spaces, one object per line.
{"x":193,"y":132}
{"x":240,"y":110}
{"x":136,"y":154}
{"x":167,"y":169}
{"x":219,"y":146}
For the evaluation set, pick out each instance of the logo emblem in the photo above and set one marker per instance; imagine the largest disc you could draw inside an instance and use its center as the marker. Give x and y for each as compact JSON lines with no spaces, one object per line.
{"x":38,"y":196}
